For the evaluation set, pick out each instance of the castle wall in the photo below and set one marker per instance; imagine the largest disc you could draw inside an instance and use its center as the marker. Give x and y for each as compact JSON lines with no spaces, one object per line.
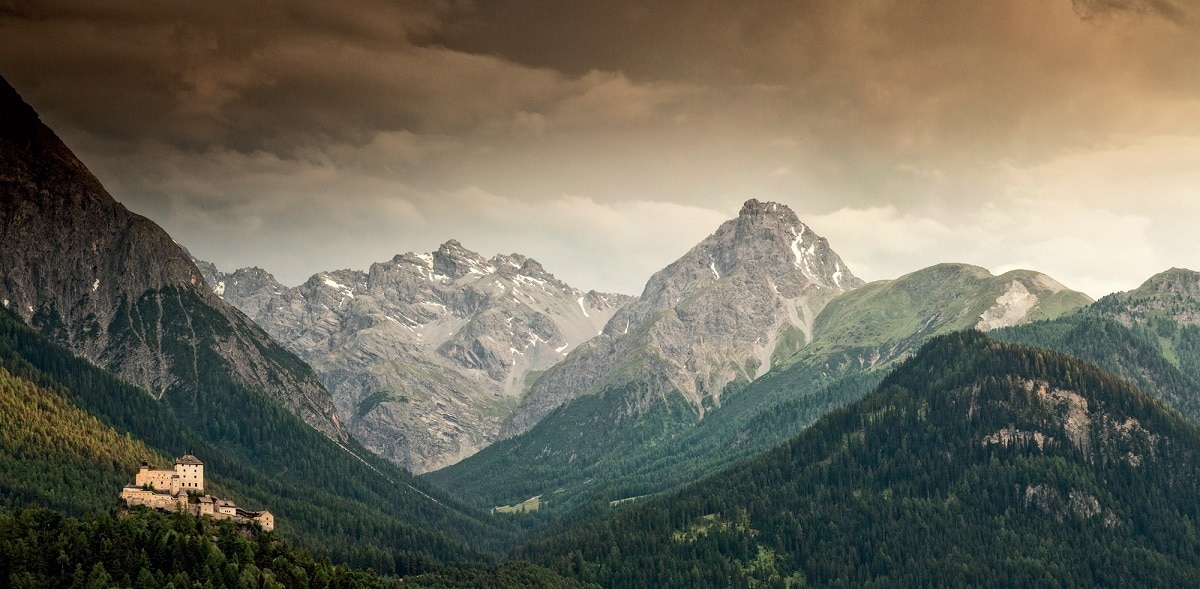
{"x":140,"y":496}
{"x":162,"y":480}
{"x":266,"y":520}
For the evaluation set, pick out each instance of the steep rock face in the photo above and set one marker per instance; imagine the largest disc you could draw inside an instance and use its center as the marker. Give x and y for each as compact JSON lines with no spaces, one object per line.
{"x":425,"y":354}
{"x":116,"y":289}
{"x":744,"y":296}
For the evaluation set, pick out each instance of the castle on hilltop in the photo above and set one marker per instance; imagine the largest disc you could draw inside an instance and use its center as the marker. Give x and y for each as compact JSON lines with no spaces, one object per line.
{"x":183,"y":489}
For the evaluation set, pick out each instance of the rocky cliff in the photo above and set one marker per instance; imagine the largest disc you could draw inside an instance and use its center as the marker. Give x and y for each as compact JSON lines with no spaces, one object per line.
{"x":425,"y":354}
{"x":116,"y":289}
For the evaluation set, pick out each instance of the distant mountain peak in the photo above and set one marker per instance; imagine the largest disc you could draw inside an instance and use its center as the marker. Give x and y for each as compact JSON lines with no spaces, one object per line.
{"x":1174,"y":281}
{"x":1172,"y":295}
{"x":744,"y":296}
{"x":766,"y":244}
{"x":754,"y":209}
{"x":456,"y":261}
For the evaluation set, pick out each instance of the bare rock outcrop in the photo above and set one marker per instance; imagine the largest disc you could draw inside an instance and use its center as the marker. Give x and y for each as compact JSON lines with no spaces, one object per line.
{"x":718,"y":314}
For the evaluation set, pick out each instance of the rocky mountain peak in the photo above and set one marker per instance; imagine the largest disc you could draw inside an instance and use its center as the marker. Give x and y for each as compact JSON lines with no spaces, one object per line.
{"x":744,"y":296}
{"x":1172,"y":295}
{"x":1176,"y":281}
{"x":766,"y":244}
{"x":532,"y":268}
{"x":455,"y":261}
{"x":755,"y":211}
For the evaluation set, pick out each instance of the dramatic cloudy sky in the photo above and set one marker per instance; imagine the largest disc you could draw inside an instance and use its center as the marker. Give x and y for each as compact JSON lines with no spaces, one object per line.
{"x":606,"y":138}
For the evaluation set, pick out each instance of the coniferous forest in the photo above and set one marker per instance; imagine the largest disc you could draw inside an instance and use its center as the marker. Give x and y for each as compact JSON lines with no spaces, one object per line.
{"x":976,"y":463}
{"x":147,"y":549}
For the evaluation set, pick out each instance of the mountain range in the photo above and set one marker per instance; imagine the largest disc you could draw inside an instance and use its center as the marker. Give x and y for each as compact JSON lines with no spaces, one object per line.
{"x":758,"y":416}
{"x":780,"y":337}
{"x":425,"y":355}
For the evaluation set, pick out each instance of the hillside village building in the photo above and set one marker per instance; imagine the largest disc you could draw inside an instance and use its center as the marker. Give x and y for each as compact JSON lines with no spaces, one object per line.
{"x":183,"y":489}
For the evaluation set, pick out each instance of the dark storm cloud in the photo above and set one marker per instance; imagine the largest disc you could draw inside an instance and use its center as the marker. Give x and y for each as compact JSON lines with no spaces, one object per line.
{"x":322,"y":134}
{"x":865,"y":87}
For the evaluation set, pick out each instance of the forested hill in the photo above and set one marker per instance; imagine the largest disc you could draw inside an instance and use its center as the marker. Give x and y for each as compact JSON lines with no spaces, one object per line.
{"x":145,"y":549}
{"x":81,"y":430}
{"x":974,"y":463}
{"x":1162,"y":360}
{"x":1149,"y":336}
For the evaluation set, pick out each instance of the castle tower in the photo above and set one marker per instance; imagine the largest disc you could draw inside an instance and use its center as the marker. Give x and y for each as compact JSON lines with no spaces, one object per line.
{"x":191,"y":473}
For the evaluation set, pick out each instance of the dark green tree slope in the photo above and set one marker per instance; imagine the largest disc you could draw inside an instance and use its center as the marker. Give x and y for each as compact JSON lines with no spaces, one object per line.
{"x":339,"y":501}
{"x":1135,"y":353}
{"x":56,"y":455}
{"x":1149,"y":336}
{"x":595,"y":449}
{"x":975,"y":463}
{"x":146,"y":549}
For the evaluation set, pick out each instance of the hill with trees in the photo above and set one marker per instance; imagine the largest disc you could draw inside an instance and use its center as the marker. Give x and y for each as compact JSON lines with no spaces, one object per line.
{"x":147,"y":549}
{"x":975,"y":463}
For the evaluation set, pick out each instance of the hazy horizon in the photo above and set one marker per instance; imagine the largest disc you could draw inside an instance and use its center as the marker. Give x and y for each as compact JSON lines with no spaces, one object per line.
{"x":606,"y":140}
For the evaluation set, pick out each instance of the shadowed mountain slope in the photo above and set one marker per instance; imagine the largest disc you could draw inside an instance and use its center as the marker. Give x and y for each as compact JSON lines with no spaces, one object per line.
{"x":116,"y":289}
{"x":83,"y":276}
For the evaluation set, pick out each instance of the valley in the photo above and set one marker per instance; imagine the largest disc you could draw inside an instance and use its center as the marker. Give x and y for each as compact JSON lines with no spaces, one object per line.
{"x":787,"y":324}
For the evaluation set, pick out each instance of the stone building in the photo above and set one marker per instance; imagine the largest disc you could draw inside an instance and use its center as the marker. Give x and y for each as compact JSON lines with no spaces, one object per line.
{"x":188,"y":476}
{"x":183,"y":489}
